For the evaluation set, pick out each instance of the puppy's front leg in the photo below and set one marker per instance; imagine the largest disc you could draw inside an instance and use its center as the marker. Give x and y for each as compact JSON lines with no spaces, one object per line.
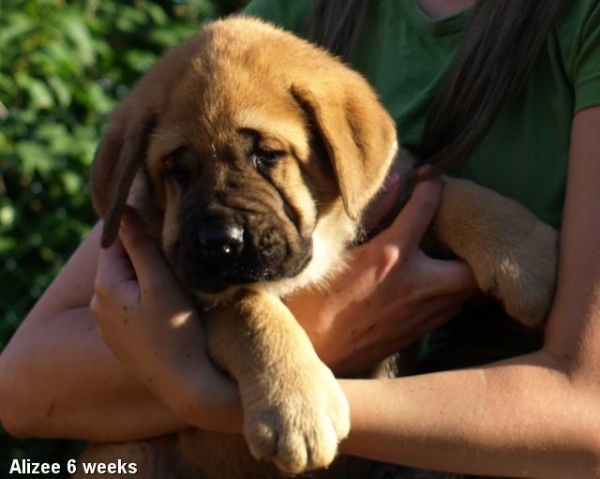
{"x":294,"y":410}
{"x":512,"y":253}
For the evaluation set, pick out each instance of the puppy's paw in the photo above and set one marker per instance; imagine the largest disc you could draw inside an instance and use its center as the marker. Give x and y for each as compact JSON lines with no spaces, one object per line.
{"x":523,"y":277}
{"x":297,"y":421}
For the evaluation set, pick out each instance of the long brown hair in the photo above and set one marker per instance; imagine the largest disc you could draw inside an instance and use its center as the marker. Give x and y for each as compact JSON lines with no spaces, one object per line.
{"x":499,"y":48}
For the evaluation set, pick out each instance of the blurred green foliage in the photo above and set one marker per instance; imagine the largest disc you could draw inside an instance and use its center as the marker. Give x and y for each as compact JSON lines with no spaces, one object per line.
{"x":64,"y":65}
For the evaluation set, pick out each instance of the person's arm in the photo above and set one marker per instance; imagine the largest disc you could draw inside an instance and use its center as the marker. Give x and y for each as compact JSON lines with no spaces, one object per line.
{"x":59,"y":379}
{"x":531,"y":416}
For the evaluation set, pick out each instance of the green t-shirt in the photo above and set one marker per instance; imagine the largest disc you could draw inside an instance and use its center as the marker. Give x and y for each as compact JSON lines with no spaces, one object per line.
{"x":405,"y":55}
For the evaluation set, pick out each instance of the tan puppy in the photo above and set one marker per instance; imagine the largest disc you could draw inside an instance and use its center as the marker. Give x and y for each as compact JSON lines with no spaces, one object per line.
{"x":251,"y":156}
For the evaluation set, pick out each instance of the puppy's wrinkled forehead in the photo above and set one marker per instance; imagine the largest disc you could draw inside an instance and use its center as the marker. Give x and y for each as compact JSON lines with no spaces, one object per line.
{"x":219,"y":97}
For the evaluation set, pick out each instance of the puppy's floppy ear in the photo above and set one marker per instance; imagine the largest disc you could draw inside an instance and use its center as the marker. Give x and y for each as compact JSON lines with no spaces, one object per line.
{"x":358,"y":133}
{"x":120,"y":155}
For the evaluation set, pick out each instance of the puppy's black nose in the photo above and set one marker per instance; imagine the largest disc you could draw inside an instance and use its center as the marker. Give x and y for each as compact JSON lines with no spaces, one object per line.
{"x":221,"y":239}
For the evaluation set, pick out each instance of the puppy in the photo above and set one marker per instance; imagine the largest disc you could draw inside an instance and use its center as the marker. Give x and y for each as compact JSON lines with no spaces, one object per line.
{"x":251,"y":155}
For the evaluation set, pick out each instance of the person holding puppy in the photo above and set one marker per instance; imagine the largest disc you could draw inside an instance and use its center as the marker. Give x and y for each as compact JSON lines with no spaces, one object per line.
{"x":529,"y":409}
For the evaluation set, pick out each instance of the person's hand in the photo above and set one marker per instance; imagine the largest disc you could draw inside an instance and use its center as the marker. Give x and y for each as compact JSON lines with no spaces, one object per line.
{"x":150,"y":323}
{"x":390,"y":293}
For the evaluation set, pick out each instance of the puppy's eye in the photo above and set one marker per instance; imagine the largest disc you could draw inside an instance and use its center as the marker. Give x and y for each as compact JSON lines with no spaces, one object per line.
{"x":175,"y":169}
{"x":267,"y":158}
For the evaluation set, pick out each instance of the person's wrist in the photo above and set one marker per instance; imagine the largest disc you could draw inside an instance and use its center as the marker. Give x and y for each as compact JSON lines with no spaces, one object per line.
{"x":196,"y":392}
{"x":211,"y":402}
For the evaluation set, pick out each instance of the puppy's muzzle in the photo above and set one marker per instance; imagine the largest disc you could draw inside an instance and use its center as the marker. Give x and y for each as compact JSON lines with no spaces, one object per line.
{"x":220,"y":249}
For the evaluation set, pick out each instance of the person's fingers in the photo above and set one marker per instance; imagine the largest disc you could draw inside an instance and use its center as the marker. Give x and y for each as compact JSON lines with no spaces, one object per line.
{"x":413,"y":221}
{"x":115,"y":274}
{"x":151,"y":269}
{"x":451,"y":277}
{"x":113,"y":264}
{"x":385,"y":202}
{"x":388,"y":197}
{"x":115,"y":289}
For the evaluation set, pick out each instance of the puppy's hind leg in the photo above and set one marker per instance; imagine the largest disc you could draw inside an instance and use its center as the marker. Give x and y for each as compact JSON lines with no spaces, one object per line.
{"x":511,"y":252}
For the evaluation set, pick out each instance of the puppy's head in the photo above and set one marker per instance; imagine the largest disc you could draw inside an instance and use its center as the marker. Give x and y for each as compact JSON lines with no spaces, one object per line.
{"x":251,"y":154}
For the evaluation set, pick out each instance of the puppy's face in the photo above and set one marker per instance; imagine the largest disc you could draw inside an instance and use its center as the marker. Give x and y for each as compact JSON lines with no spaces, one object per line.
{"x":253,"y":155}
{"x":239,"y":183}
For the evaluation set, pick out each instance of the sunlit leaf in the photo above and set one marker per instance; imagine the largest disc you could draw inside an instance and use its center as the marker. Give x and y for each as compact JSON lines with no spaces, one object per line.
{"x":35,"y":157}
{"x":39,"y":94}
{"x":75,"y":28}
{"x":61,"y":91}
{"x":139,"y":60}
{"x":13,"y":25}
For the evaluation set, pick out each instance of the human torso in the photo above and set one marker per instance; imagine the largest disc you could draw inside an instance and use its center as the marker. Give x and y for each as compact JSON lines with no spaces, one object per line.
{"x":438,"y":9}
{"x":405,"y":49}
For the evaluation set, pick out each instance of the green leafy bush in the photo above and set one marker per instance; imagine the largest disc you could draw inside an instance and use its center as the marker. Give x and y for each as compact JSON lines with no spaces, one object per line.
{"x":64,"y":65}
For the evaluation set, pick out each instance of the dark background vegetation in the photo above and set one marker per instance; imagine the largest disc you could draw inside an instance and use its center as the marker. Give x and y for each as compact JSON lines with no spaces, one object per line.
{"x":64,"y":65}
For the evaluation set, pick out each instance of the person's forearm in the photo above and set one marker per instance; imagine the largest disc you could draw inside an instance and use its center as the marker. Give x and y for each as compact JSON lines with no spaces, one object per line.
{"x":519,"y":418}
{"x":93,"y":397}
